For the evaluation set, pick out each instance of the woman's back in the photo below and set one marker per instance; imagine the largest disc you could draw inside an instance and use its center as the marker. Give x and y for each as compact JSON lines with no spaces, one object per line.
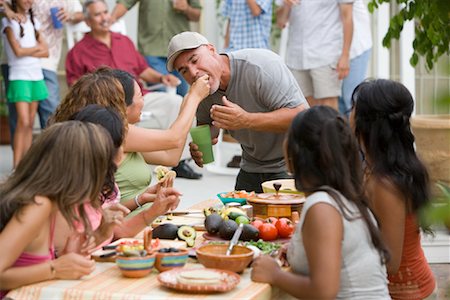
{"x":414,"y":279}
{"x":362,"y":274}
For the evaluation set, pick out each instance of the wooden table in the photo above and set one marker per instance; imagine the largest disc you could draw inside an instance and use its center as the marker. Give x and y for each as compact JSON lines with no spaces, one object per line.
{"x":107,"y":282}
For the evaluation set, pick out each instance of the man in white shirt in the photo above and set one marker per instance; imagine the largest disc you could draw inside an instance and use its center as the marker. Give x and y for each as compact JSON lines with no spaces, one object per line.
{"x":318,"y":49}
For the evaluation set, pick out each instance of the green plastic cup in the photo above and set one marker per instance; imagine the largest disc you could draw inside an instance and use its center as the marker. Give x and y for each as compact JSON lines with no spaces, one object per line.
{"x":201,"y":136}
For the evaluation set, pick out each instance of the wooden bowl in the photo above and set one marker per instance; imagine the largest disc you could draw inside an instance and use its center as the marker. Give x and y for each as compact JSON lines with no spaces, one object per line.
{"x":213,"y":256}
{"x":170,"y":260}
{"x":271,"y":205}
{"x":135,"y":266}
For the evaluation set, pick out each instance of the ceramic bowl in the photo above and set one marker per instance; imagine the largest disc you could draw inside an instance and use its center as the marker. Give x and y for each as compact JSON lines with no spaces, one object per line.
{"x":213,"y":256}
{"x":170,"y":260}
{"x":287,"y":186}
{"x":225,"y":200}
{"x":135,"y":266}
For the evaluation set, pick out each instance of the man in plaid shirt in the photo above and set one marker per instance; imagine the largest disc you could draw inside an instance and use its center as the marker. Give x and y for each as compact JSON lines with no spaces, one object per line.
{"x":249,"y":23}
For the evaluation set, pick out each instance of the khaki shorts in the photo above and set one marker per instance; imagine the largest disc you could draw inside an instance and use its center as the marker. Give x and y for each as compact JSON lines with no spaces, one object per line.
{"x":320,"y":82}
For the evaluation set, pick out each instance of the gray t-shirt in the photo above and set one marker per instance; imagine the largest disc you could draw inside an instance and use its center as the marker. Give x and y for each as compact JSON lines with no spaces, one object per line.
{"x":259,"y":82}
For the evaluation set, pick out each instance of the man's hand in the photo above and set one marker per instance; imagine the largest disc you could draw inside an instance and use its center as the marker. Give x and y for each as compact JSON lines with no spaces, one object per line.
{"x":291,"y":2}
{"x":180,"y":5}
{"x":229,"y":116}
{"x":170,"y":80}
{"x":343,"y":67}
{"x":196,"y":155}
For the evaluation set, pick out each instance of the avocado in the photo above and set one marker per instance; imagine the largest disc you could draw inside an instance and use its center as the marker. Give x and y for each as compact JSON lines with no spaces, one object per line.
{"x":187,"y":234}
{"x":249,"y":233}
{"x":227,"y":229}
{"x":166,"y":231}
{"x":234,"y":215}
{"x":213,"y":223}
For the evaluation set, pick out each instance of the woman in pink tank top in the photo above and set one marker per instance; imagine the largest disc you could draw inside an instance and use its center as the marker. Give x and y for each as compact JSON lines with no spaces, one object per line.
{"x":396,"y":181}
{"x":48,"y":180}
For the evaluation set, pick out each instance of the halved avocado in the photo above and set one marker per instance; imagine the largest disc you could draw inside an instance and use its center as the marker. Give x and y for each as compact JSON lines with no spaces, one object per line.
{"x":187,"y":234}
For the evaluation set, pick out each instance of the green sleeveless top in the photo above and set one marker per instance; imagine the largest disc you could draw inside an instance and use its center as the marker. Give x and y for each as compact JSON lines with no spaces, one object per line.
{"x":133,"y":176}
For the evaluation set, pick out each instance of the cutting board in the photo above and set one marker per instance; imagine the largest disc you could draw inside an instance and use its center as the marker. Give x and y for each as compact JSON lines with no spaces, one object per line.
{"x":195,"y":220}
{"x":163,"y":244}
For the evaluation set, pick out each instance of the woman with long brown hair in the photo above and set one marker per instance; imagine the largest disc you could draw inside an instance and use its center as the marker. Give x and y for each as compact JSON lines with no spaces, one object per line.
{"x":65,"y":168}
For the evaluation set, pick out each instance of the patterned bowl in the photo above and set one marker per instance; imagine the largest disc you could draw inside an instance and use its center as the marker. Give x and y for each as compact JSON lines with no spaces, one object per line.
{"x":135,"y":266}
{"x":170,"y":260}
{"x":213,"y":256}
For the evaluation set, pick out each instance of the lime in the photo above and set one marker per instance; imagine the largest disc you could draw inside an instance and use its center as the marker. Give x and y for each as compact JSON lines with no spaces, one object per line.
{"x":242,"y":220}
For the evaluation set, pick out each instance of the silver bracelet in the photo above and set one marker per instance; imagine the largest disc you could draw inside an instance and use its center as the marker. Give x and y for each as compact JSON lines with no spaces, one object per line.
{"x":136,"y":200}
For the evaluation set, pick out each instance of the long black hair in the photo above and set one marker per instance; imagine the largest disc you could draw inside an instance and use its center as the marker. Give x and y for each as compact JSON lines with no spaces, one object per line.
{"x":382,"y":110}
{"x":322,"y":153}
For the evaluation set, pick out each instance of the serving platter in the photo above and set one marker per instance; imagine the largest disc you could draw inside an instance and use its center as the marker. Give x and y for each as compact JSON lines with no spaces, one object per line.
{"x":228,"y":281}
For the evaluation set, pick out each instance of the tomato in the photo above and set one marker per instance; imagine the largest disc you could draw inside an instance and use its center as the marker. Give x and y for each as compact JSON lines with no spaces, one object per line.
{"x":285,"y":227}
{"x":272,"y":220}
{"x":268,"y":232}
{"x":257,"y":223}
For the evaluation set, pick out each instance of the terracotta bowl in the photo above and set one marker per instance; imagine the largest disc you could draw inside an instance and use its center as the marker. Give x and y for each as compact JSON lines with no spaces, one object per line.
{"x":135,"y":267}
{"x":170,"y":260}
{"x":213,"y":256}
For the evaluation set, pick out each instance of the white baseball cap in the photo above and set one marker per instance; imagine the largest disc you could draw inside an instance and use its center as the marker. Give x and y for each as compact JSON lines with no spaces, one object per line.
{"x":183,"y":41}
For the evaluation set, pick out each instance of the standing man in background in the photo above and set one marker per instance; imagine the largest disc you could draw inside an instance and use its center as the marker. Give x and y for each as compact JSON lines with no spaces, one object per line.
{"x":359,"y":55}
{"x":249,"y":24}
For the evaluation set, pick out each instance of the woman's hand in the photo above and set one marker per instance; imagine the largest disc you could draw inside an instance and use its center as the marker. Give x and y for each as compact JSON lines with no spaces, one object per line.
{"x":72,"y":266}
{"x":200,"y":88}
{"x":167,"y":198}
{"x":265,"y":269}
{"x":112,"y":216}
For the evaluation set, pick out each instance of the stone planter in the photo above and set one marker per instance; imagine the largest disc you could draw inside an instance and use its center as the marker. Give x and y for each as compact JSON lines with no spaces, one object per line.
{"x":432,"y":134}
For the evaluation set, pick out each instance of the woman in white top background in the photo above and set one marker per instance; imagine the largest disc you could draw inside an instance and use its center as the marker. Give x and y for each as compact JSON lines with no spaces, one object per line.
{"x":24,"y":46}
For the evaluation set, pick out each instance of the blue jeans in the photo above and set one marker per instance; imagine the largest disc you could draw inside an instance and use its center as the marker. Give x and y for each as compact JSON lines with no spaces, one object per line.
{"x":358,"y":69}
{"x":159,"y":64}
{"x":46,"y":107}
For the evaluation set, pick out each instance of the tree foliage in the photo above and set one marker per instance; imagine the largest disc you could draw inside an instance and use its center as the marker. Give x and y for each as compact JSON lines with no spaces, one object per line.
{"x":432,"y":27}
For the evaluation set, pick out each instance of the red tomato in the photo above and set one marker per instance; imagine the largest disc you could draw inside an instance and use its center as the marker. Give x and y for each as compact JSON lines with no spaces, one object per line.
{"x":285,"y":227}
{"x":268,"y":232}
{"x":257,"y":223}
{"x":272,"y":220}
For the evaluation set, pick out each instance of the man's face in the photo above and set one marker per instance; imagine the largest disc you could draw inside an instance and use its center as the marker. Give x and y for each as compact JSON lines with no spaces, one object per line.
{"x":192,"y":64}
{"x":98,"y":17}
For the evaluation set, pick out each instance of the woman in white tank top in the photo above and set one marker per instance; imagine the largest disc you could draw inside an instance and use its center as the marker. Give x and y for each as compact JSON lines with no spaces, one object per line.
{"x":336,"y":250}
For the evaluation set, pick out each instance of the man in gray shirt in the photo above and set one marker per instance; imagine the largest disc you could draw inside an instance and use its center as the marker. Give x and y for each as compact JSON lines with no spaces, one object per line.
{"x":253,"y":95}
